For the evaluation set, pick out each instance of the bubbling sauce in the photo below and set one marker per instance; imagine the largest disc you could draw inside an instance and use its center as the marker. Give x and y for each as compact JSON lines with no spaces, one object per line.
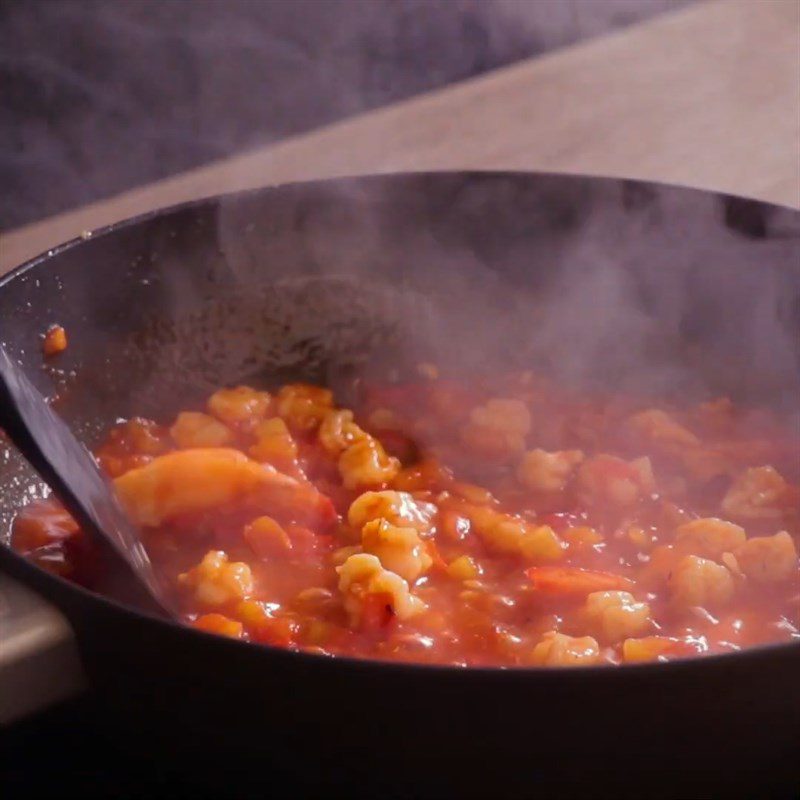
{"x":508,"y":521}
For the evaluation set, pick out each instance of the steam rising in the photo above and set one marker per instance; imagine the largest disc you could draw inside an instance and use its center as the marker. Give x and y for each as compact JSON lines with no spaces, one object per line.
{"x":615,"y":285}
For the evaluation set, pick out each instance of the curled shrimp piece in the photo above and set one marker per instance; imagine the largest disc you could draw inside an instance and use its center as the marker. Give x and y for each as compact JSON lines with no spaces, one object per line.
{"x":195,"y":429}
{"x":768,"y":559}
{"x":710,"y":537}
{"x":699,"y":581}
{"x":304,"y":406}
{"x":240,"y":406}
{"x":189,"y":481}
{"x":399,"y":508}
{"x":615,"y":615}
{"x":510,"y":535}
{"x":758,"y":493}
{"x":498,"y":428}
{"x":548,"y":472}
{"x":399,"y":549}
{"x":338,"y":431}
{"x":559,"y":650}
{"x":606,"y":478}
{"x":275,"y":445}
{"x":662,"y":429}
{"x":373,"y":595}
{"x":216,"y":580}
{"x":365,"y":463}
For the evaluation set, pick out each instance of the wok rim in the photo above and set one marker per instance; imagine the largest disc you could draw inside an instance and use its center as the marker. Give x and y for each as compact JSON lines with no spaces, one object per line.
{"x":185,"y":205}
{"x":31,"y":575}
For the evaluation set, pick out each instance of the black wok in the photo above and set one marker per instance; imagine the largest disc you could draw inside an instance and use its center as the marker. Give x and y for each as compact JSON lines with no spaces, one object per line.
{"x":657,"y":288}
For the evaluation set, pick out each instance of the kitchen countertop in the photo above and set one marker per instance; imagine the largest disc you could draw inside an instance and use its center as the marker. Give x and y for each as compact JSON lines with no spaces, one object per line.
{"x":707,"y":96}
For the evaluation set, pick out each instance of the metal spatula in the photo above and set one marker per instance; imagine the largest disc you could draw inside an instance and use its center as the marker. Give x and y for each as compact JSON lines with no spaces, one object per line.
{"x":71,"y":472}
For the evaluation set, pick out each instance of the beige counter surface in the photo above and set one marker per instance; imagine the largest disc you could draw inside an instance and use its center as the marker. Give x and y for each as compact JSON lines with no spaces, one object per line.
{"x":708,"y":96}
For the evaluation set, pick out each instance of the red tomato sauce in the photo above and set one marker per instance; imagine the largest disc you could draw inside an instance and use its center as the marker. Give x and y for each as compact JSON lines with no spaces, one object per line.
{"x":504,"y":522}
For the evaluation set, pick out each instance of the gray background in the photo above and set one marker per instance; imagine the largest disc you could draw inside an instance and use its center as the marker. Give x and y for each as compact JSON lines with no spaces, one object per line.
{"x":97,"y":96}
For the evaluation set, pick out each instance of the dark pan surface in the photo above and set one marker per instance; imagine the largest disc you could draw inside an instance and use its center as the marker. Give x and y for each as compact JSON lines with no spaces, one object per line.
{"x":607,"y":282}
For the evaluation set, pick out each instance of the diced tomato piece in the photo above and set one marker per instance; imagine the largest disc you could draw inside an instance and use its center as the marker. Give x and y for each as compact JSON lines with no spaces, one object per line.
{"x":325,"y":512}
{"x":277,"y":631}
{"x":263,"y":627}
{"x":55,"y":340}
{"x":582,"y":536}
{"x":304,"y":540}
{"x":559,"y":581}
{"x":41,"y":525}
{"x":219,"y":624}
{"x":436,"y":557}
{"x":613,"y":468}
{"x":306,"y":543}
{"x":267,"y":538}
{"x":652,"y":648}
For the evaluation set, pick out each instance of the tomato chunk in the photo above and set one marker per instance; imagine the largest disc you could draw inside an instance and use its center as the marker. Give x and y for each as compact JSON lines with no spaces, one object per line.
{"x":41,"y":525}
{"x":219,"y":624}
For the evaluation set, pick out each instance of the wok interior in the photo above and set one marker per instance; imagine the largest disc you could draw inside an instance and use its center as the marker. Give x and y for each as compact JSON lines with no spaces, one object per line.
{"x":603,"y":282}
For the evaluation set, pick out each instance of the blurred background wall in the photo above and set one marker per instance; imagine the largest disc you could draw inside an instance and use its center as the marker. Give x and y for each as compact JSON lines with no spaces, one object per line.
{"x":97,"y":96}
